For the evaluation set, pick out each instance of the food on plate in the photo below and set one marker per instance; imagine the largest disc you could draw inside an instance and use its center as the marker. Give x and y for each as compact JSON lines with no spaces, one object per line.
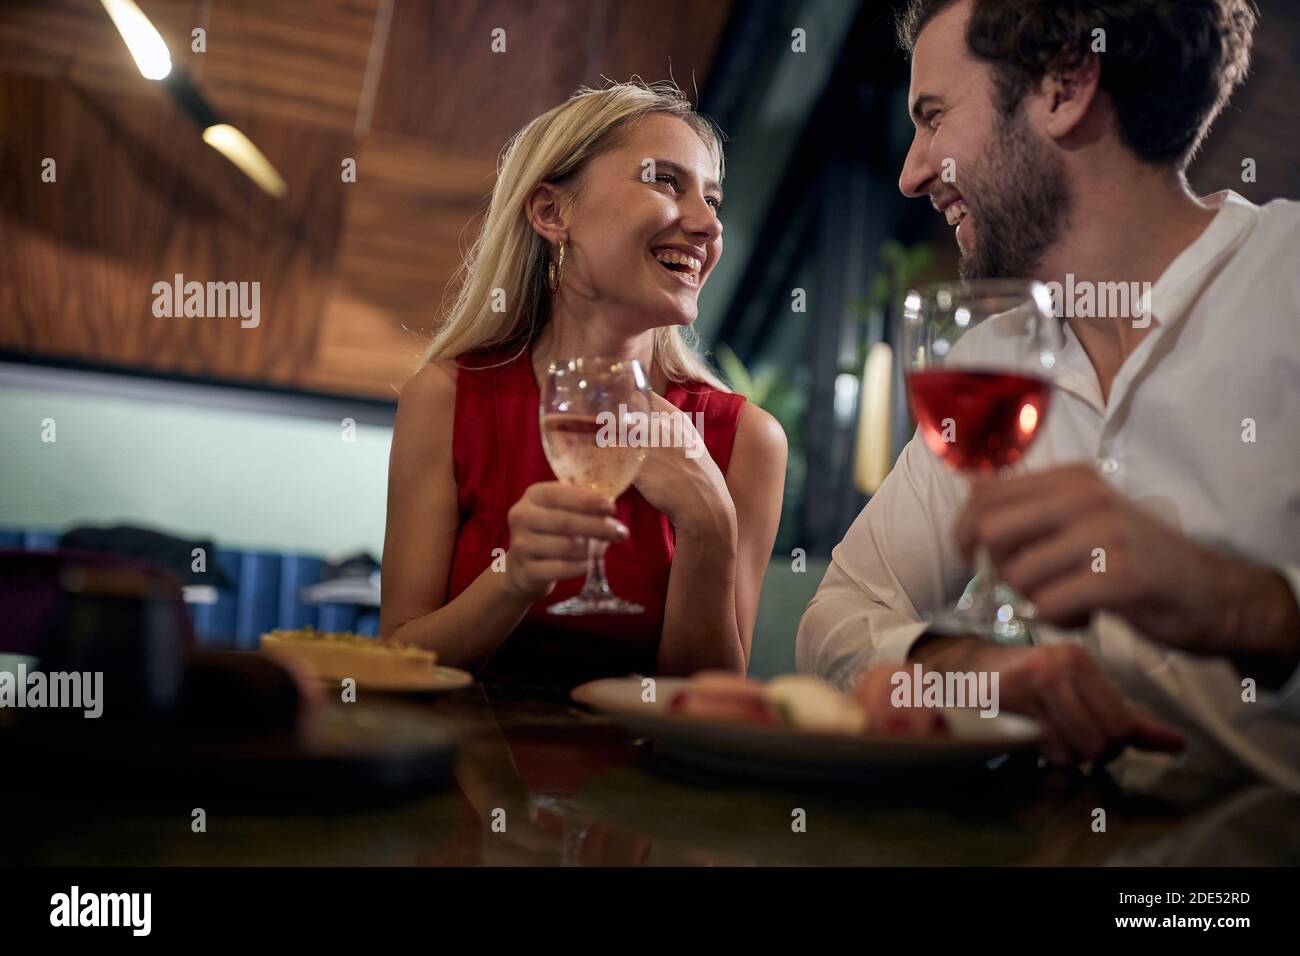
{"x":811,"y":704}
{"x":799,"y":701}
{"x":876,"y":691}
{"x":336,"y":656}
{"x":719,"y":695}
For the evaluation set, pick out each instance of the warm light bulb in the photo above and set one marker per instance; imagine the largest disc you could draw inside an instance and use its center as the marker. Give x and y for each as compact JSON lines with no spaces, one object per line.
{"x":239,"y":149}
{"x":145,"y":43}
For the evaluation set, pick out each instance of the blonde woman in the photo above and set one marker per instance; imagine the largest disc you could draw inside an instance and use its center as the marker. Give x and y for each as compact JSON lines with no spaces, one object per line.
{"x":591,"y":256}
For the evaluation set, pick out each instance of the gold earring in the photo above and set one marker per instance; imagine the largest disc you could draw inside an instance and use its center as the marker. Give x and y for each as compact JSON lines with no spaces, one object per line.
{"x":554,"y":272}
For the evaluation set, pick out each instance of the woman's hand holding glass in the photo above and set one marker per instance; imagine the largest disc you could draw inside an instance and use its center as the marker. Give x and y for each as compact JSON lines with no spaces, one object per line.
{"x":550,"y":526}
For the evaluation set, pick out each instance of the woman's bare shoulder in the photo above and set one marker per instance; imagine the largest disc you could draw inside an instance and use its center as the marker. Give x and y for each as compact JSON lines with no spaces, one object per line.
{"x":433,"y":383}
{"x":426,"y":407}
{"x":759,"y":433}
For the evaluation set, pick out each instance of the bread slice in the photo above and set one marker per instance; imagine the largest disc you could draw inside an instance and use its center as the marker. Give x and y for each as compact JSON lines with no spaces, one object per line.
{"x":338,"y":656}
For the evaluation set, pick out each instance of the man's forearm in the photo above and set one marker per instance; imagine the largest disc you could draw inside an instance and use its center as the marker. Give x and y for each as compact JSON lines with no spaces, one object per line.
{"x":1259,"y":632}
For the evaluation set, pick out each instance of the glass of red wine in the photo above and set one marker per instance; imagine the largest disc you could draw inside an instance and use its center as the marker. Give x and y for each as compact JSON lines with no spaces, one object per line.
{"x":977,"y":355}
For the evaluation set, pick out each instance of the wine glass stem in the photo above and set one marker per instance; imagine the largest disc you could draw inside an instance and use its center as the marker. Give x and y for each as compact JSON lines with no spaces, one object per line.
{"x":984,"y":595}
{"x":596,"y":584}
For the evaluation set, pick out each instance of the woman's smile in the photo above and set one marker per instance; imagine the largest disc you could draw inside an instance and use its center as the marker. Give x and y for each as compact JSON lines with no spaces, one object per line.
{"x":679,"y":267}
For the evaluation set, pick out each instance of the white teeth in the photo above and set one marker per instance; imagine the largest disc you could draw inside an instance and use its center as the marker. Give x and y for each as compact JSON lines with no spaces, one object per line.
{"x":955,"y":212}
{"x":670,"y":256}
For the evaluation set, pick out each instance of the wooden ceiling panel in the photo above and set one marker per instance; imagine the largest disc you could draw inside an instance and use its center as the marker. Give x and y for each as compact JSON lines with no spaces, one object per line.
{"x":352,"y":274}
{"x":409,"y":213}
{"x":138,"y":198}
{"x":301,"y":62}
{"x":74,"y":40}
{"x":443,"y":83}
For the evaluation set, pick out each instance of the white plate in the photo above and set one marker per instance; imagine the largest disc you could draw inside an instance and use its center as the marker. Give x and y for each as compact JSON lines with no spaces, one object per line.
{"x":441,"y":680}
{"x":785,"y":751}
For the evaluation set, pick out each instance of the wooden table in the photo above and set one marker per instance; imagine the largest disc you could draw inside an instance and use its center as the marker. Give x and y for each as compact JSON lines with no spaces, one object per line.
{"x":540,"y":781}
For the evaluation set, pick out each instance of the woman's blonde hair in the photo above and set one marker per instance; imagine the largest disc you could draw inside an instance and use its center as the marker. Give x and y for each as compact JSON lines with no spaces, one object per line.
{"x":509,"y":256}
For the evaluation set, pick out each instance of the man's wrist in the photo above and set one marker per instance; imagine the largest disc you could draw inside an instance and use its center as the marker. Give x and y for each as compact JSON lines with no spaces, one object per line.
{"x":947,"y":652}
{"x":1261,"y":624}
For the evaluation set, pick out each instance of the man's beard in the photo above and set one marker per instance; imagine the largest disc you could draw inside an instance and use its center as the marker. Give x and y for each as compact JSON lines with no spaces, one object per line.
{"x":1024,"y":204}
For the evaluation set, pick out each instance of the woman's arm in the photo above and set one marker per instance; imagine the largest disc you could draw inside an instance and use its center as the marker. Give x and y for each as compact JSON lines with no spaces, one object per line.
{"x":723,"y":545}
{"x":423,"y":522}
{"x":420,"y":537}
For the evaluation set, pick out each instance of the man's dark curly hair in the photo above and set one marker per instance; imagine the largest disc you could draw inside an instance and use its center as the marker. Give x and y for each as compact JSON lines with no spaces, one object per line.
{"x":1168,"y":66}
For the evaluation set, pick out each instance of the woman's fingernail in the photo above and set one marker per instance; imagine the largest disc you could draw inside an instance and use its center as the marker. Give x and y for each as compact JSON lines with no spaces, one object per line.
{"x":620,"y":529}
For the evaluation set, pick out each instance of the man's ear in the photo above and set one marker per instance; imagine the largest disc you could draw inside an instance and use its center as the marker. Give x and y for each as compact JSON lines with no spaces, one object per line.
{"x":1069,"y":88}
{"x":547,"y":212}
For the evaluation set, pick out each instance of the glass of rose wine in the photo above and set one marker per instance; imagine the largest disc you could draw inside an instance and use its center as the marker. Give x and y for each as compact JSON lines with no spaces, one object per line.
{"x":586,"y":409}
{"x":977,"y":355}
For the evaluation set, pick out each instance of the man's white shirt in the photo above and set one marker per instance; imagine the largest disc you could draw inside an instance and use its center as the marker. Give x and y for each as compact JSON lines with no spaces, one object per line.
{"x":1202,"y":427}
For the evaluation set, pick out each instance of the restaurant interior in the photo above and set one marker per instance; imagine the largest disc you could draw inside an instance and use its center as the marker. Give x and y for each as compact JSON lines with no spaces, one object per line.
{"x":177,"y":484}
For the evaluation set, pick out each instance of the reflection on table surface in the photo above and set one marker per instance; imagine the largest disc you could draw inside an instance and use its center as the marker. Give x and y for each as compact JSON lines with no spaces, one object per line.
{"x":539,"y":781}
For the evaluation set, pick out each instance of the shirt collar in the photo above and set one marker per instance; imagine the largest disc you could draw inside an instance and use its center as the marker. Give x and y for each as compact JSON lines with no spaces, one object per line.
{"x":1185,"y":278}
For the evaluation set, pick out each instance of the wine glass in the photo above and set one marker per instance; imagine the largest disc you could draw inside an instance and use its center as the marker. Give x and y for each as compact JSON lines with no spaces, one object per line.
{"x":588,"y":404}
{"x":977,"y":355}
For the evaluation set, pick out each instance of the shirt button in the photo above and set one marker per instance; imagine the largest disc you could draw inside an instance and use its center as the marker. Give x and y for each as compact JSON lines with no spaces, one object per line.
{"x":1108,"y":466}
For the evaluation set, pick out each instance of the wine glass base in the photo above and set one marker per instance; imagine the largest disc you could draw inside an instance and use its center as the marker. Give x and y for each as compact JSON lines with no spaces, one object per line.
{"x":1002,"y":626}
{"x":601,"y":604}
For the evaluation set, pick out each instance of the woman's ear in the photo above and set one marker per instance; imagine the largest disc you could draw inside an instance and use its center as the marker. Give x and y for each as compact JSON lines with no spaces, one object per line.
{"x":547,"y":212}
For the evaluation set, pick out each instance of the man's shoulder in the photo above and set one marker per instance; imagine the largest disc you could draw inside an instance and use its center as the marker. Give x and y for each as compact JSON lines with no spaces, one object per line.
{"x":1280,"y":215}
{"x":1274,"y":228}
{"x":1272,"y":246}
